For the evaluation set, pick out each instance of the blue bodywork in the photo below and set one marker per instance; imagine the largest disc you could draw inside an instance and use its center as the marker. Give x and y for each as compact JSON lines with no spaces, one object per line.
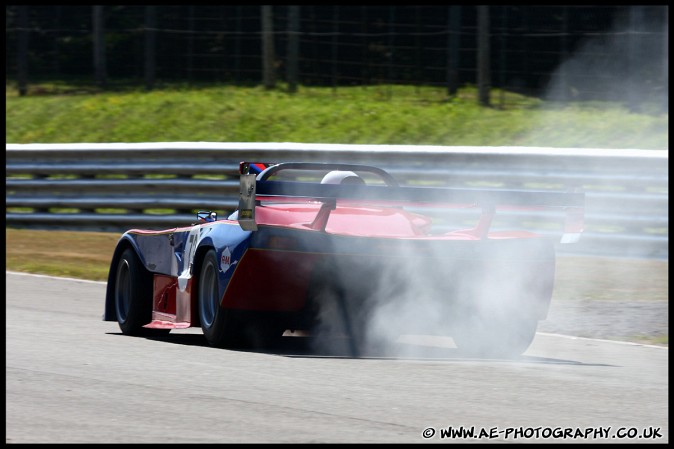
{"x":173,"y":252}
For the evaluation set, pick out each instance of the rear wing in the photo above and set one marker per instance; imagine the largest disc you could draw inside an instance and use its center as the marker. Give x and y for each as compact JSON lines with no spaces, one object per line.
{"x":256,"y":186}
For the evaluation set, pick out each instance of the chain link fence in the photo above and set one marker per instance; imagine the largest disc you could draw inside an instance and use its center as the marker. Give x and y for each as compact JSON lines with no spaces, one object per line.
{"x":557,"y":52}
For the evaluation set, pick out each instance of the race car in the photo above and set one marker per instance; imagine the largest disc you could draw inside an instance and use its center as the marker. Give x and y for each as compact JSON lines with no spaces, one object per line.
{"x":344,"y":251}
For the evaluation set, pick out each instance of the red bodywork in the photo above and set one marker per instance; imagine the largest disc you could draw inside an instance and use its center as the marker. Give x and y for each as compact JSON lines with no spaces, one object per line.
{"x":276,"y":278}
{"x":171,"y":308}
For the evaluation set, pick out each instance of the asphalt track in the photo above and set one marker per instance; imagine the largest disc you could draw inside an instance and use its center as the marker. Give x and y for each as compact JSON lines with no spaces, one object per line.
{"x":72,"y":378}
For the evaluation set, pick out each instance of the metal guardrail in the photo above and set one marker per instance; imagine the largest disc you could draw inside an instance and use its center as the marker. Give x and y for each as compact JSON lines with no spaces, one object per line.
{"x":113,"y":187}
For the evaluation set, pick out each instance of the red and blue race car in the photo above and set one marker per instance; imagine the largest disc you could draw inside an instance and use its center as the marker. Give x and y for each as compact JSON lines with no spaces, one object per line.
{"x":343,"y":249}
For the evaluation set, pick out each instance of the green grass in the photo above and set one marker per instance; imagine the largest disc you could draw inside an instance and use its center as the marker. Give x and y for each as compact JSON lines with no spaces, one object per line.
{"x":356,"y":115}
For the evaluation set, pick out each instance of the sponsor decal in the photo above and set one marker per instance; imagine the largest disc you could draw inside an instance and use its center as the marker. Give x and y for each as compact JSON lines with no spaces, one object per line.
{"x":226,"y":260}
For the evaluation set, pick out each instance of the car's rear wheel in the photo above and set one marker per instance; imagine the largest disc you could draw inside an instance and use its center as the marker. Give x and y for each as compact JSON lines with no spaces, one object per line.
{"x":133,"y":296}
{"x":261,"y":332}
{"x":500,"y":337}
{"x":220,"y":328}
{"x":333,"y":327}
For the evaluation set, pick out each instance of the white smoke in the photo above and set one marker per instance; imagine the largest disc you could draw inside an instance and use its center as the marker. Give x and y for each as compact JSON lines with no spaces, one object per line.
{"x":476,"y":289}
{"x":627,"y":64}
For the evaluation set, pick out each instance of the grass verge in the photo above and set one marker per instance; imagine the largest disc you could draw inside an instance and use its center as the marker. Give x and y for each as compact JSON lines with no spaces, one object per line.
{"x":348,"y":115}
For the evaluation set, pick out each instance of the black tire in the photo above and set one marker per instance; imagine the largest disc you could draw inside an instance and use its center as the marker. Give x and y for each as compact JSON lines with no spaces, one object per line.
{"x":261,"y":332}
{"x":133,"y":296}
{"x":219,"y":326}
{"x":332,"y":325}
{"x":496,"y":338}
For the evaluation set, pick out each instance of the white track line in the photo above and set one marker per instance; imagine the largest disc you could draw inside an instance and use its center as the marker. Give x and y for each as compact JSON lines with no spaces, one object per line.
{"x":55,"y":277}
{"x":540,"y":333}
{"x":621,"y":342}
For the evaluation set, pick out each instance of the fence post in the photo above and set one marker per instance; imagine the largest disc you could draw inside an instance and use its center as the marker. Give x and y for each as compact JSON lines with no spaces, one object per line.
{"x":665,"y":60}
{"x":293,"y":47}
{"x":502,"y":56}
{"x":417,"y":44}
{"x":150,"y":45}
{"x":190,"y":43}
{"x":635,"y":23}
{"x":453,"y":40}
{"x":366,"y":69}
{"x":56,"y":60}
{"x":22,"y":51}
{"x":100,"y":69}
{"x":563,"y":75}
{"x":237,"y":45}
{"x":268,"y":75}
{"x":391,"y":34}
{"x":335,"y":24}
{"x":483,"y":72}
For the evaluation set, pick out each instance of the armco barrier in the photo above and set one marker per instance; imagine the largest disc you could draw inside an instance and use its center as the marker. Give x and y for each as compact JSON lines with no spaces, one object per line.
{"x":113,"y":187}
